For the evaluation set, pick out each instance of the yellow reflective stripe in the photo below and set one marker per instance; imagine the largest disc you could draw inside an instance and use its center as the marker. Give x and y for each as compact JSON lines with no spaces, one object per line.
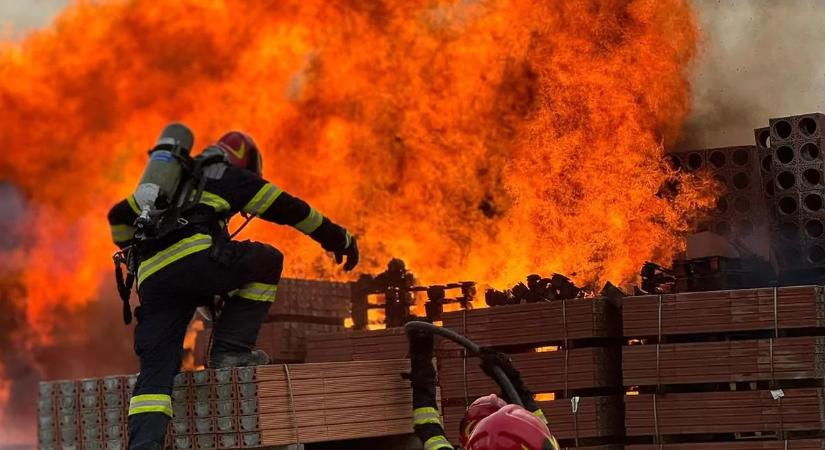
{"x":349,"y":240}
{"x":263,"y":199}
{"x":261,"y":292}
{"x":133,"y":204}
{"x":554,"y":444}
{"x":122,"y":233}
{"x":426,"y":415}
{"x":311,"y":223}
{"x":146,"y":403}
{"x":437,"y":442}
{"x":215,"y":201}
{"x":174,"y":252}
{"x":540,"y":414}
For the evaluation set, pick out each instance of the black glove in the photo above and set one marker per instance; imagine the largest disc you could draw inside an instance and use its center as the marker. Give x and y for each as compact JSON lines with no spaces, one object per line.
{"x":351,"y":253}
{"x":490,"y":359}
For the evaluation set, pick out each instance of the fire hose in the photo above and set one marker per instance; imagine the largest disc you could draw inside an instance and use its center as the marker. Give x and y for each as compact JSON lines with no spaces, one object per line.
{"x":474,"y":349}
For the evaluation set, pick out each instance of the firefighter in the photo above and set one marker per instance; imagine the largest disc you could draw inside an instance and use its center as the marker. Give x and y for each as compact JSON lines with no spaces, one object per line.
{"x":195,"y":263}
{"x":489,"y":423}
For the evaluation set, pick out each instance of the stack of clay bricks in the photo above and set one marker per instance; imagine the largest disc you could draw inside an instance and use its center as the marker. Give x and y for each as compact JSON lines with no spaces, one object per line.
{"x":568,"y":352}
{"x":239,"y":408}
{"x":84,"y":414}
{"x":793,"y":188}
{"x":726,"y":370}
{"x":302,"y":308}
{"x":740,"y":213}
{"x":364,"y":345}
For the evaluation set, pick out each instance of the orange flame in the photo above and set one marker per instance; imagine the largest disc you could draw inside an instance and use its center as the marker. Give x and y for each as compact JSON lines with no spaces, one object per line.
{"x":474,"y":139}
{"x":192,"y":330}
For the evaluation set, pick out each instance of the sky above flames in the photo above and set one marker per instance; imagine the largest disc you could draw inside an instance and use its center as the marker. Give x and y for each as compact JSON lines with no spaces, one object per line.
{"x":479,"y":140}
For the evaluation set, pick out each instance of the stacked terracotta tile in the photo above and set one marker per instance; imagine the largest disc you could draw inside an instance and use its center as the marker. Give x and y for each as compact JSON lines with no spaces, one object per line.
{"x":714,"y":368}
{"x":565,"y":350}
{"x":84,"y":414}
{"x":239,"y":408}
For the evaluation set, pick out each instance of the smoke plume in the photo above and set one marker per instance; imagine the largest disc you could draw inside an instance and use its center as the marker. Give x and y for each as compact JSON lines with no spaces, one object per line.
{"x":758,"y":59}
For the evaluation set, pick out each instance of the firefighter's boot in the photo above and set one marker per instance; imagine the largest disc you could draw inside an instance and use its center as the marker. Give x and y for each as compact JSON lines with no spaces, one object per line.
{"x":224,"y":360}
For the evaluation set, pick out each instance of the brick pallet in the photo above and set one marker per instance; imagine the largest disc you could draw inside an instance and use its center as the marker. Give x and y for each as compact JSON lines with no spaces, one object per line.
{"x":89,"y":413}
{"x":784,"y":359}
{"x":537,"y":323}
{"x":802,"y":444}
{"x":725,"y":412}
{"x":364,"y":345}
{"x":556,"y":371}
{"x":583,"y":359}
{"x":239,"y":408}
{"x":763,"y":309}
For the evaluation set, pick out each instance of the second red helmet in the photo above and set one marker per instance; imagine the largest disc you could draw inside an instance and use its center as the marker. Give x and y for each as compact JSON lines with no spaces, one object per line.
{"x":512,"y":428}
{"x":478,"y":410}
{"x":241,"y":151}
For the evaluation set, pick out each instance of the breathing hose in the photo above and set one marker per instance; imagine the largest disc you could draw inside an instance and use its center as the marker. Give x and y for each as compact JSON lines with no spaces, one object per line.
{"x":474,"y":349}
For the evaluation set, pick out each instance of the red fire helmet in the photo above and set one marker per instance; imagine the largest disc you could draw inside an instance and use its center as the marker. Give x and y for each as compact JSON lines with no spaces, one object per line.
{"x":512,"y":428}
{"x":241,"y":151}
{"x":479,"y":409}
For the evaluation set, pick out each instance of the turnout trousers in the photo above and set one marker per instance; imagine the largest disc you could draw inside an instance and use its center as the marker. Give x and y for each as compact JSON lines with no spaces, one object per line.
{"x":168,"y":299}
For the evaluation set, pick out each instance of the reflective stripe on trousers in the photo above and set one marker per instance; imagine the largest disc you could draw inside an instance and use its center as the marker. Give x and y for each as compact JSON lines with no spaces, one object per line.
{"x":261,"y":292}
{"x":437,"y":442}
{"x":426,"y":415}
{"x":148,"y":403}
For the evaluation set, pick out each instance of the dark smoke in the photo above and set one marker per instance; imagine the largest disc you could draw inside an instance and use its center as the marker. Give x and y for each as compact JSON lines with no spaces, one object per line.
{"x":758,"y":59}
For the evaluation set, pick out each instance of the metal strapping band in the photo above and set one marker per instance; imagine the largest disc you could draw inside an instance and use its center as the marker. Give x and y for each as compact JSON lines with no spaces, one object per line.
{"x":781,"y":419}
{"x":773,"y":376}
{"x":292,"y":405}
{"x":775,"y":312}
{"x":659,"y":320}
{"x":464,"y":358}
{"x":655,"y":421}
{"x":566,"y":370}
{"x":575,"y":404}
{"x":658,"y":345}
{"x":564,"y":321}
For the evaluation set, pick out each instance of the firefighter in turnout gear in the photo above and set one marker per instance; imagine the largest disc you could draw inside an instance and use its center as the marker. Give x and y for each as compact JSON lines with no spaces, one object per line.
{"x":196,"y":261}
{"x":489,"y":423}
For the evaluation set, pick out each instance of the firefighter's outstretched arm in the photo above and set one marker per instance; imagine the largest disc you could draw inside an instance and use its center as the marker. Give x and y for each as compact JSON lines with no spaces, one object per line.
{"x":427,"y":423}
{"x":271,"y":203}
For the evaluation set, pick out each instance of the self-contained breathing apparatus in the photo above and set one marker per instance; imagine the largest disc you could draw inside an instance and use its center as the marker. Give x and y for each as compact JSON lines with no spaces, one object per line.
{"x":172,"y":183}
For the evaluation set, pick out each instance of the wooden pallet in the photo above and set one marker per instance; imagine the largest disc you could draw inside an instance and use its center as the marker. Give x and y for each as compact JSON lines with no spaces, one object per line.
{"x":791,"y":358}
{"x":595,"y":418}
{"x":746,"y":310}
{"x":537,"y":323}
{"x":724,"y":412}
{"x":557,"y":371}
